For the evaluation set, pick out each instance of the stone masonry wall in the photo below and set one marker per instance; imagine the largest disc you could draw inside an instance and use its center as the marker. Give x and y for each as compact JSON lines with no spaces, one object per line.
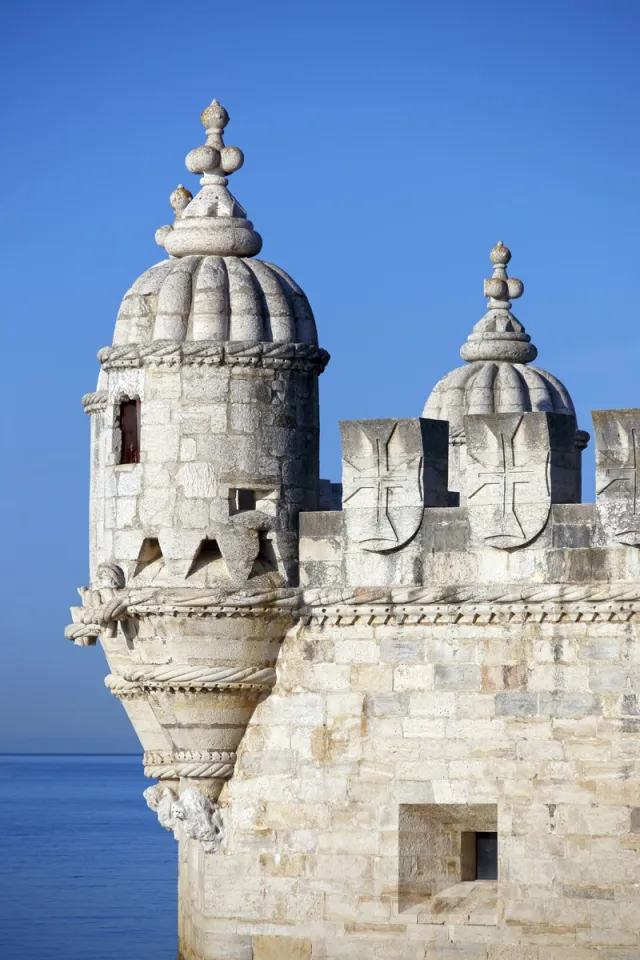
{"x":374,"y":726}
{"x":197,"y":440}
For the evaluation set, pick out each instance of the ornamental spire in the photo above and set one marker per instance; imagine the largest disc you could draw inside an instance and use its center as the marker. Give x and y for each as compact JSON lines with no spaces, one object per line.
{"x":212,"y":222}
{"x":500,"y":335}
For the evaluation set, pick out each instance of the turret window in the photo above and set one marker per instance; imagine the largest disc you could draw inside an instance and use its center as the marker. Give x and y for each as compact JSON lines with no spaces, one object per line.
{"x":245,"y":500}
{"x":129,"y":423}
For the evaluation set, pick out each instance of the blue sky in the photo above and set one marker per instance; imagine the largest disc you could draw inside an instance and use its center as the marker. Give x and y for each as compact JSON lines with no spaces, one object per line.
{"x":388,"y":147}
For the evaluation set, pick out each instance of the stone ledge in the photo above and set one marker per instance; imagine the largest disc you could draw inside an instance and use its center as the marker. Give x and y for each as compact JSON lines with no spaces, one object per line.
{"x":469,"y":903}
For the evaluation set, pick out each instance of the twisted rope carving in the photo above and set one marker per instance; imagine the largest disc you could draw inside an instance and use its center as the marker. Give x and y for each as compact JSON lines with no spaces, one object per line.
{"x":134,"y":682}
{"x":94,"y":402}
{"x":194,"y":764}
{"x":201,"y":676}
{"x":83,"y":634}
{"x":296,"y":355}
{"x":609,"y":592}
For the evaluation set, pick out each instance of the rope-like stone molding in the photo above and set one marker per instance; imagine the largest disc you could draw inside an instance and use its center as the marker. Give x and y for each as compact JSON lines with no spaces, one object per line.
{"x":195,"y":677}
{"x":135,"y":682}
{"x":83,"y":634}
{"x":611,"y":591}
{"x":294,"y":356}
{"x":218,"y":764}
{"x":95,"y":402}
{"x":618,"y":601}
{"x":499,"y":603}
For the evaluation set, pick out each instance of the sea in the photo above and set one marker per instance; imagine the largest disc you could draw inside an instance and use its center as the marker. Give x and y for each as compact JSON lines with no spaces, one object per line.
{"x":86,"y":871}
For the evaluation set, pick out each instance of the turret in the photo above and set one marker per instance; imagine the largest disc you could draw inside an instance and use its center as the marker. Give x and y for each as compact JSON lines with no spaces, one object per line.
{"x":204,"y":449}
{"x":499,"y":378}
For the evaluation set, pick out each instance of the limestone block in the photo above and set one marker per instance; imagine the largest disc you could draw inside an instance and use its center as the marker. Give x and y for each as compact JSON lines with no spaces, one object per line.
{"x":278,"y":948}
{"x":617,"y":435}
{"x":392,"y":469}
{"x":517,"y":466}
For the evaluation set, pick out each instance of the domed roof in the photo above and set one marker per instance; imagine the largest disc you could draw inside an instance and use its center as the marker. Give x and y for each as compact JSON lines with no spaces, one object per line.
{"x":215,"y":298}
{"x":498,"y":378}
{"x":210,"y":289}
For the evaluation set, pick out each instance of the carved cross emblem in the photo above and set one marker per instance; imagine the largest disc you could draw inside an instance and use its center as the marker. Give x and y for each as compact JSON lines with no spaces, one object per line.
{"x":618,"y":474}
{"x":508,"y":490}
{"x":383,"y":464}
{"x":628,"y":472}
{"x":383,"y":477}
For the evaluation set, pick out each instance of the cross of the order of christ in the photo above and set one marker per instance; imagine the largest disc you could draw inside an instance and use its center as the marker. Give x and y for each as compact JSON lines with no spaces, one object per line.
{"x":506,"y":477}
{"x":383,"y":475}
{"x":628,"y":472}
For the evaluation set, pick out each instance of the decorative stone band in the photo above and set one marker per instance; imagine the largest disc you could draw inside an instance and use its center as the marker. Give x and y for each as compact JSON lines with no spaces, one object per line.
{"x":137,"y":682}
{"x":614,"y":601}
{"x":95,"y":402}
{"x":555,"y":602}
{"x":209,"y":603}
{"x":90,"y":621}
{"x":196,"y":765}
{"x":248,"y":353}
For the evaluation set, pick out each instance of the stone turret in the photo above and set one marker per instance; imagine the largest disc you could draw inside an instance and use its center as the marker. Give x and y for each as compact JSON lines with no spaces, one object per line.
{"x":205,"y":432}
{"x":499,"y":376}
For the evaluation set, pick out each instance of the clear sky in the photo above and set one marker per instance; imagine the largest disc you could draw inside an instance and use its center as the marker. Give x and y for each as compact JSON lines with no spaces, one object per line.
{"x":388,"y":146}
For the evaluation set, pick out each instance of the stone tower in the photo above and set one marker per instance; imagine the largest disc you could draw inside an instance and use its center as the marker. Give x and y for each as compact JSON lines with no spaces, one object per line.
{"x":403,"y":726}
{"x":204,"y":449}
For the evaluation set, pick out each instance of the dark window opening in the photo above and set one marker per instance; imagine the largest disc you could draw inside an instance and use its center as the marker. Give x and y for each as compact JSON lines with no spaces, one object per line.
{"x":150,"y":552}
{"x":486,"y":856}
{"x":479,"y":856}
{"x":208,"y":553}
{"x":245,"y":500}
{"x":266,"y":560}
{"x":130,"y":431}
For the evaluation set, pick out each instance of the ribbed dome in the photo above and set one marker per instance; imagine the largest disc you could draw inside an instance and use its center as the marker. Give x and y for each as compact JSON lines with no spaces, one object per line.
{"x":215,"y":298}
{"x":211,"y":289}
{"x":498,"y":377}
{"x":495,"y":387}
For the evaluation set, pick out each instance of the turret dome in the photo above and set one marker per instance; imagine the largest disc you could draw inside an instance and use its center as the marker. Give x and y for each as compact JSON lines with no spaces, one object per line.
{"x":211,"y":289}
{"x":498,"y":377}
{"x":215,"y":298}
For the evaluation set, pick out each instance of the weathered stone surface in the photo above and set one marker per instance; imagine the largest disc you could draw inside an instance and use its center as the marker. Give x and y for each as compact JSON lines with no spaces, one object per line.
{"x":617,"y":435}
{"x":392,"y":469}
{"x":277,"y":948}
{"x":517,"y":466}
{"x":192,"y":814}
{"x":508,"y":479}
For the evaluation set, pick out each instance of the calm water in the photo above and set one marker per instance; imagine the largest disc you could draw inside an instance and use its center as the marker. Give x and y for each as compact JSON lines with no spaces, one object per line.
{"x":86,"y":872}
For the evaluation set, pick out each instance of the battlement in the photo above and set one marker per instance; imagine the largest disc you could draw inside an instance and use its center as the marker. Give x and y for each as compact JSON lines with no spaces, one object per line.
{"x":521,"y":519}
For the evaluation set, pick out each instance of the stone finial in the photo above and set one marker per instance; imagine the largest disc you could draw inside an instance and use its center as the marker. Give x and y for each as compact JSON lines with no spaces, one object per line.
{"x":499,"y":335}
{"x":214,"y":157}
{"x":212,"y":223}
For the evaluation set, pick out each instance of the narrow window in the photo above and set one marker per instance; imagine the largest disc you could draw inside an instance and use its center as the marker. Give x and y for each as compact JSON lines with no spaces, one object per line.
{"x":245,"y":500}
{"x":486,"y":856}
{"x":479,"y":856}
{"x":130,"y":431}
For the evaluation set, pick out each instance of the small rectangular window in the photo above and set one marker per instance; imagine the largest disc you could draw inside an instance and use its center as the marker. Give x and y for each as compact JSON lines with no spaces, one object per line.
{"x":478,"y":855}
{"x":245,"y":500}
{"x":486,"y":856}
{"x":130,"y":431}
